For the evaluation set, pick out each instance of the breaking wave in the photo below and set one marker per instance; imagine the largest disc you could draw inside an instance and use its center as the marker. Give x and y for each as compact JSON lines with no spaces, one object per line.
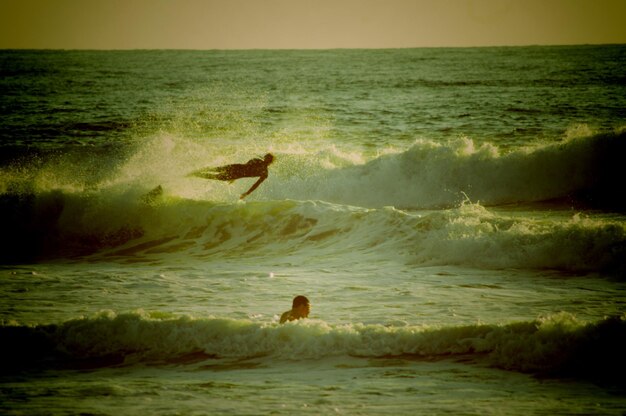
{"x":557,"y":344}
{"x":61,"y":225}
{"x":584,"y":170}
{"x":344,"y":205}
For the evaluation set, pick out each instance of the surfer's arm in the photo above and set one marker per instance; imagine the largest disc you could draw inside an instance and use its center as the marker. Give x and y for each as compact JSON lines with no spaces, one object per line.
{"x":253,"y":187}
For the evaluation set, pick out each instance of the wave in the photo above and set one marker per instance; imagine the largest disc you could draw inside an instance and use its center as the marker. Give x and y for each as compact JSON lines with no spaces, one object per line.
{"x":558,"y":344}
{"x":130,"y":229}
{"x":341,"y":204}
{"x":584,"y":170}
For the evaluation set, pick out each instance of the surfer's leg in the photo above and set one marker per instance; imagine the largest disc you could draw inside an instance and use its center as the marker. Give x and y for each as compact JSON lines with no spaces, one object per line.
{"x":219,"y":173}
{"x":222,"y":173}
{"x":205,"y":175}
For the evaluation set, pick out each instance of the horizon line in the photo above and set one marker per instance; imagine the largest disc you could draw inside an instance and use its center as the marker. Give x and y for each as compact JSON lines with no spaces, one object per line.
{"x":316,"y":49}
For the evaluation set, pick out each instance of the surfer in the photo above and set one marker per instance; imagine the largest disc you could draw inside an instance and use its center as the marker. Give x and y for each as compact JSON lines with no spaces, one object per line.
{"x":251,"y":169}
{"x":300,"y":309}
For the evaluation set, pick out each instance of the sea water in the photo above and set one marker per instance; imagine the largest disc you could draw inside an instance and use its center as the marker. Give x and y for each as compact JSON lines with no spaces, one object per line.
{"x":456,"y":217}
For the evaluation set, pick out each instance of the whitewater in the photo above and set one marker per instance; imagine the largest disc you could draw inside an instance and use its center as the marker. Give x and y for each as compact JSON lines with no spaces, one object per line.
{"x":461,"y":234}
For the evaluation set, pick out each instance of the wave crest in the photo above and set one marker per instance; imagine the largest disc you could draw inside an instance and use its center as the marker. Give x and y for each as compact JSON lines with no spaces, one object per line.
{"x":585,"y":170}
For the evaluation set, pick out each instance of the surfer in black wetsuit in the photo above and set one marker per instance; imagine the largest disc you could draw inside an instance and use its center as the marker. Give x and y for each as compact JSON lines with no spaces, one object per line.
{"x":251,"y":169}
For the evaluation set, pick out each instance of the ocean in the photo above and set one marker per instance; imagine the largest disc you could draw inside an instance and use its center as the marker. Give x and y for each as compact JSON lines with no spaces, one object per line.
{"x":455,"y":216}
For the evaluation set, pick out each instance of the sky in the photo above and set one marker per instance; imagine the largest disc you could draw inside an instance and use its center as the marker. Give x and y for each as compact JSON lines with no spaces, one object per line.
{"x":306,"y":24}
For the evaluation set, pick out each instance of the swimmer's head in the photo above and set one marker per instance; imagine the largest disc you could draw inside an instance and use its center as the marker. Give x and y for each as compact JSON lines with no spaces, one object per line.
{"x":301,"y":307}
{"x":269,"y":158}
{"x":300,"y":300}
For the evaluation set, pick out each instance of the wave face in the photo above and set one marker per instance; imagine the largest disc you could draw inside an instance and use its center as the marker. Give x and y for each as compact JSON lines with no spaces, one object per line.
{"x":57,"y":225}
{"x":116,"y":220}
{"x":555,"y":344}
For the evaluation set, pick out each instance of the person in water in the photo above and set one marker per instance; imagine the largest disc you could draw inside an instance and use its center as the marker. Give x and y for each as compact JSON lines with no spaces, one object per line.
{"x":300,"y":309}
{"x":251,"y":169}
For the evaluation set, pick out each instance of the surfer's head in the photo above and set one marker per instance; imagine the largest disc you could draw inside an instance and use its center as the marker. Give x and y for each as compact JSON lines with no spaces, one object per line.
{"x":269,"y":158}
{"x":299,"y":300}
{"x":301,"y":306}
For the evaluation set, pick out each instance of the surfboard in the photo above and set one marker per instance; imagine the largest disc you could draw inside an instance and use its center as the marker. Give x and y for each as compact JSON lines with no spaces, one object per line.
{"x":152,"y":196}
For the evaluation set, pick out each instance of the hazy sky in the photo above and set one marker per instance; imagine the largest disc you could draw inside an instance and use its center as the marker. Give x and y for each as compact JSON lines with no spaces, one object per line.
{"x":225,"y":24}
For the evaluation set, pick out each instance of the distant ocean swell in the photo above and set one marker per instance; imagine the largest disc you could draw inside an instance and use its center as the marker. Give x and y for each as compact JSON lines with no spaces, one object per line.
{"x":557,"y":344}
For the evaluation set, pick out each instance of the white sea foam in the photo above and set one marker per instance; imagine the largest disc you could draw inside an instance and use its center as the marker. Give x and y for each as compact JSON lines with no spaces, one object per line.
{"x":555,"y":343}
{"x":433,"y":174}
